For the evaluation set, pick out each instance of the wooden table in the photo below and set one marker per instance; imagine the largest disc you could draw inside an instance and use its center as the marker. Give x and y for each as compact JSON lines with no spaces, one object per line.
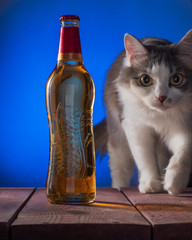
{"x":25,"y":214}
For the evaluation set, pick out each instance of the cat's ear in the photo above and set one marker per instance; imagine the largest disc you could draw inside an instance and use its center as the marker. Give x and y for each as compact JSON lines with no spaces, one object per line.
{"x":184,"y":48}
{"x":134,"y":49}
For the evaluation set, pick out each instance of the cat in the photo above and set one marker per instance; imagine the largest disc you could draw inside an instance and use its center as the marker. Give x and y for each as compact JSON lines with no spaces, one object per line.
{"x":148,"y":99}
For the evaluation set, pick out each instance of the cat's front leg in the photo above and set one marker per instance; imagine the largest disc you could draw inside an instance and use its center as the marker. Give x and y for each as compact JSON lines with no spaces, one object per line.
{"x":179,"y":167}
{"x":142,"y":144}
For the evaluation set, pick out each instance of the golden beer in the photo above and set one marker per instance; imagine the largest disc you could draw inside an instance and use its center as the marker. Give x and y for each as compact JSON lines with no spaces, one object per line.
{"x":70,"y":94}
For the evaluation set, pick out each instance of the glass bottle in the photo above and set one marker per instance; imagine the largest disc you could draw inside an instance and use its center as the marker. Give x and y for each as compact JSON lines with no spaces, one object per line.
{"x":70,"y":94}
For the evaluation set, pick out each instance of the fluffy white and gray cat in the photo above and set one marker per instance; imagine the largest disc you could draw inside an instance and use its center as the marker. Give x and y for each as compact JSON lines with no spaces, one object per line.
{"x":148,"y":99}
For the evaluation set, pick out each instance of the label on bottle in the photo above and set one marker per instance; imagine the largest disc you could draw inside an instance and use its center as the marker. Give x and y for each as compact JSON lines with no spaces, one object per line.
{"x":69,"y":43}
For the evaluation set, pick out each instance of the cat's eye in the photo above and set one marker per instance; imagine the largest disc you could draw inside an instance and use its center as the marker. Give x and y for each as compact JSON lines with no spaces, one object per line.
{"x":176,"y":79}
{"x":146,"y":80}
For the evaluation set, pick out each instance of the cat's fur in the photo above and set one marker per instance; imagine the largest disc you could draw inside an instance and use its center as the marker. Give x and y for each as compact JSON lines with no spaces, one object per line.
{"x":143,"y":127}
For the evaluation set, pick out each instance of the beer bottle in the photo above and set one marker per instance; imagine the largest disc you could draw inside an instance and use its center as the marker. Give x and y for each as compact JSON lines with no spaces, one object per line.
{"x":70,"y":94}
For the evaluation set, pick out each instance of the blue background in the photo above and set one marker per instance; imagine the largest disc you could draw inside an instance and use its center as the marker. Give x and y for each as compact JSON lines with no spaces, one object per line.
{"x":29,"y":39}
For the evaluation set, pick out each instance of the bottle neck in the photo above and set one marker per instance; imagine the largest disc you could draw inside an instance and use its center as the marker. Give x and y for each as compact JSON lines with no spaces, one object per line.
{"x":69,"y":44}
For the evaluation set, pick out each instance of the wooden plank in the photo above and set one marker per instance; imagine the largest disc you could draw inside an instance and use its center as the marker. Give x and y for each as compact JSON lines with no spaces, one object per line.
{"x":111,"y":216}
{"x":111,"y":195}
{"x":170,"y":216}
{"x":11,"y":202}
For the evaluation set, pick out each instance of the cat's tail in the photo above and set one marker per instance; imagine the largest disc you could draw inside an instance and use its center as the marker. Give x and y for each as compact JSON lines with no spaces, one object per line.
{"x":101,"y":137}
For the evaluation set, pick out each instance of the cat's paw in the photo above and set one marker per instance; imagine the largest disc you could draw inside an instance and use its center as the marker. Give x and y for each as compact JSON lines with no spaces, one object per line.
{"x":150,"y":186}
{"x":175,"y":181}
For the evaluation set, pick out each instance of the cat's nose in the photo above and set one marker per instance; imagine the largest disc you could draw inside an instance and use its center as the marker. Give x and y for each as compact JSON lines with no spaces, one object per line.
{"x":162,"y":98}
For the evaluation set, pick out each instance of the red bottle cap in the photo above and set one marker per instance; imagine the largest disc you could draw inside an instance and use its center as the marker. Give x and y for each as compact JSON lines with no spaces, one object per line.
{"x":71,"y":17}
